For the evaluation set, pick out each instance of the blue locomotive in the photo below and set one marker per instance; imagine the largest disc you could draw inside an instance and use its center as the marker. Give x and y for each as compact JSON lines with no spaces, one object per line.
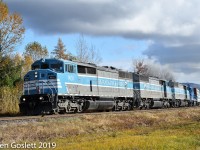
{"x":64,"y":86}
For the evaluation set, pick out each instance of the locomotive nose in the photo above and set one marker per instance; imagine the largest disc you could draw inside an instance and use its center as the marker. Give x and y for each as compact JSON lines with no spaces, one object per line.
{"x":40,"y":81}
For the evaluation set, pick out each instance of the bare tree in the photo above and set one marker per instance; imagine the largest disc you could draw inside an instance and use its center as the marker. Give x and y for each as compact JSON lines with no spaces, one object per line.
{"x":82,"y":49}
{"x":94,"y":56}
{"x":139,"y":66}
{"x":11,"y":30}
{"x":150,"y":68}
{"x":85,"y":53}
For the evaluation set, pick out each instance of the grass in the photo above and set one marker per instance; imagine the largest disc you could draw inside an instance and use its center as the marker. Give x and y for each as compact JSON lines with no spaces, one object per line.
{"x":168,"y":129}
{"x":143,"y":138}
{"x":9,"y":100}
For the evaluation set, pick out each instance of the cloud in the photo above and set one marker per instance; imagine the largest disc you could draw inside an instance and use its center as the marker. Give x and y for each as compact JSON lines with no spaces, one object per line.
{"x":174,"y":54}
{"x":172,"y":27}
{"x":133,"y":19}
{"x":185,"y":78}
{"x":182,"y":59}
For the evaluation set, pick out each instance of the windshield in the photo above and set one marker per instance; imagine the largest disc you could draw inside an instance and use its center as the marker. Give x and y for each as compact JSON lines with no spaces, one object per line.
{"x":44,"y":66}
{"x":35,"y":67}
{"x":55,"y":67}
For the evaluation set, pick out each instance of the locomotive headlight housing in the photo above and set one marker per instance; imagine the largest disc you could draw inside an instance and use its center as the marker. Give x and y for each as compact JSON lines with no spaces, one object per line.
{"x":36,"y":74}
{"x":24,"y":99}
{"x":41,"y":98}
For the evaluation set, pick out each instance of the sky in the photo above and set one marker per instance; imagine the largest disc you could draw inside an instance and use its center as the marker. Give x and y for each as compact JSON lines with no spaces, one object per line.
{"x":162,"y":31}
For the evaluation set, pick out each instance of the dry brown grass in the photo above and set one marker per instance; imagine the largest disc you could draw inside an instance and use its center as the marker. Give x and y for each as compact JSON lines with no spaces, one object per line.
{"x":48,"y":129}
{"x":9,"y":100}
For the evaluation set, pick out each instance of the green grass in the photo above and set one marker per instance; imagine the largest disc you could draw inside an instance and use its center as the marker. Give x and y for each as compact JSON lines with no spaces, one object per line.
{"x":184,"y":137}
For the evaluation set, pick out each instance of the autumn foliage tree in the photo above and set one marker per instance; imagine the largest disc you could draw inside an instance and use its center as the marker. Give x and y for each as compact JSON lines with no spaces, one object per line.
{"x":10,"y":70}
{"x":11,"y":34}
{"x":4,"y":10}
{"x":36,"y":51}
{"x":11,"y":30}
{"x":27,"y":62}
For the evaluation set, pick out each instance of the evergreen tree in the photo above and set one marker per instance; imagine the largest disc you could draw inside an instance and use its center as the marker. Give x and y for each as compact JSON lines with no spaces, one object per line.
{"x":60,"y":52}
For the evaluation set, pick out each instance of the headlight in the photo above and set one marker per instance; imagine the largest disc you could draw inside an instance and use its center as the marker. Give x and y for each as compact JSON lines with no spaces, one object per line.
{"x":41,"y":98}
{"x":24,"y":99}
{"x":36,"y":74}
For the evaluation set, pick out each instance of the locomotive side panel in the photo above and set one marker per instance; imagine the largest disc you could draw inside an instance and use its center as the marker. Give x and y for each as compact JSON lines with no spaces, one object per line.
{"x":110,"y":84}
{"x":87,"y":80}
{"x":198,"y":96}
{"x":107,"y":83}
{"x":149,"y":87}
{"x":180,"y":91}
{"x":87,"y":85}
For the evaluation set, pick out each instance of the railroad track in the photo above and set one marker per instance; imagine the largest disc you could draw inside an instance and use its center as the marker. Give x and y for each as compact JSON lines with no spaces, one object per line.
{"x":24,"y":119}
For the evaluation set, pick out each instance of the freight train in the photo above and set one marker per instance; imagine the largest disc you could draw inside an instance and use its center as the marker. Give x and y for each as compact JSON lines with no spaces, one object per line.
{"x":63,"y":86}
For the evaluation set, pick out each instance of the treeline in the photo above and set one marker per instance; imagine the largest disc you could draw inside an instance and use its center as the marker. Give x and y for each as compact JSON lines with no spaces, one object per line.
{"x":11,"y":33}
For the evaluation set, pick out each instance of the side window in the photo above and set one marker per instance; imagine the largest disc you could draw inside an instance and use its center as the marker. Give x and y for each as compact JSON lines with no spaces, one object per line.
{"x":70,"y":68}
{"x":91,"y":70}
{"x":81,"y":69}
{"x":122,"y":74}
{"x":66,"y":68}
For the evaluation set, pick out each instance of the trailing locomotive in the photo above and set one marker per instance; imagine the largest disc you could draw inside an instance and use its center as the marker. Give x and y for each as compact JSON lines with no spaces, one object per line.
{"x":66,"y":86}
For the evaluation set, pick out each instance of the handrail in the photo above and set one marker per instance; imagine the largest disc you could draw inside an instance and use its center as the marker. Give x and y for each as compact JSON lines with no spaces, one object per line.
{"x":48,"y":83}
{"x":49,"y":86}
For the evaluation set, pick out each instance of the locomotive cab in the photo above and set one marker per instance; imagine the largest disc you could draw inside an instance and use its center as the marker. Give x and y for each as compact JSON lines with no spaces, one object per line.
{"x":41,"y":87}
{"x":52,"y":64}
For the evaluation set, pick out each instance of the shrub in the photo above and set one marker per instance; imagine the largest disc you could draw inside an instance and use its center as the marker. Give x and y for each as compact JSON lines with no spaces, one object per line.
{"x":9,"y":100}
